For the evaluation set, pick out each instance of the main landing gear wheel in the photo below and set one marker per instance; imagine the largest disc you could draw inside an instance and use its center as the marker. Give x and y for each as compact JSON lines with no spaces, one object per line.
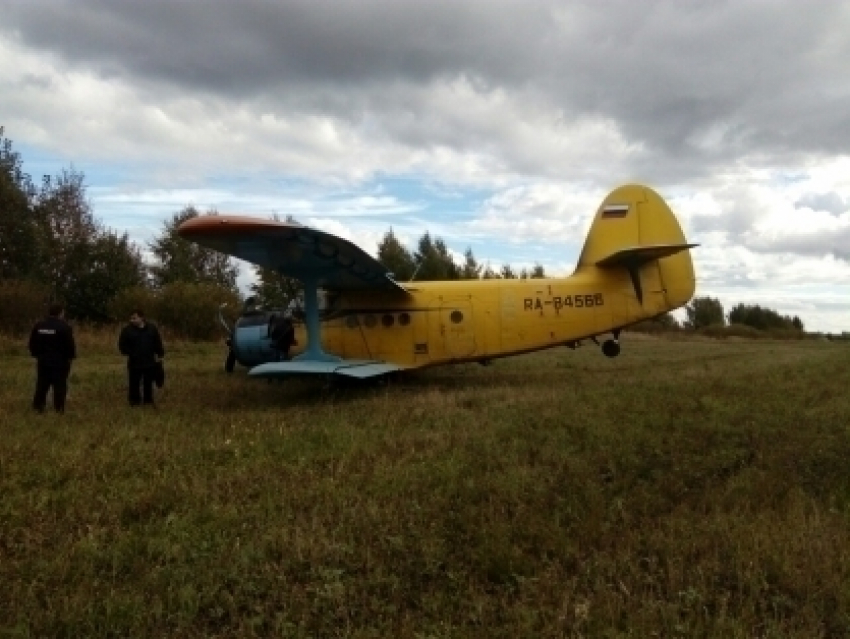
{"x":610,"y":348}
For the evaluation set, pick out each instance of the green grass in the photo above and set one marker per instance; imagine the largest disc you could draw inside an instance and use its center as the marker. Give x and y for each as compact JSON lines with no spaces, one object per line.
{"x":688,"y":488}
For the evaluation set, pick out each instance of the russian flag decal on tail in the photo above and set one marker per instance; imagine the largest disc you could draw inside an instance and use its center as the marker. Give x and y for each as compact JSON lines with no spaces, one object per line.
{"x":615,"y":210}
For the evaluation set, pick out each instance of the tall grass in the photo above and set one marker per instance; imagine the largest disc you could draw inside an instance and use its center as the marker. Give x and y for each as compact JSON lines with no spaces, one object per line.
{"x":694,"y":489}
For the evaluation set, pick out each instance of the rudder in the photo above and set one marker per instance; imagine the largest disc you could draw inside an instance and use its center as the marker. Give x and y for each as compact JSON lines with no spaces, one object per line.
{"x":634,"y":229}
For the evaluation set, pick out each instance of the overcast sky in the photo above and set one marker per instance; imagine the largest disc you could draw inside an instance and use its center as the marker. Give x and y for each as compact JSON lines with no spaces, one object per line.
{"x":495,"y":125}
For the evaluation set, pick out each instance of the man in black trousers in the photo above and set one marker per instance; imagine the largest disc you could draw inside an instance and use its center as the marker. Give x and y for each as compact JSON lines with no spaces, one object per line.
{"x":141,"y":343}
{"x":52,"y":344}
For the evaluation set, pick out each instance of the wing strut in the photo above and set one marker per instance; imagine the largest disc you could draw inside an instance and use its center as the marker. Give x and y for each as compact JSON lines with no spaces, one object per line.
{"x":313,"y":351}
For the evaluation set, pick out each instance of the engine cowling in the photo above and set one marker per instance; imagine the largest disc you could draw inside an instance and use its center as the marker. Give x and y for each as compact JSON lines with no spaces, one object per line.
{"x":259,"y":336}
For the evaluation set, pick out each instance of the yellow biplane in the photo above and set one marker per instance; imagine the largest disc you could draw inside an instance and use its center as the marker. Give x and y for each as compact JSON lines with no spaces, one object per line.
{"x":635,"y":264}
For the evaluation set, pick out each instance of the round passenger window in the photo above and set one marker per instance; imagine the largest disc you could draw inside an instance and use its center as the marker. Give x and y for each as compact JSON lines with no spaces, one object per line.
{"x":404,"y":319}
{"x":387,"y":320}
{"x":457,"y":317}
{"x":351,"y":321}
{"x":370,"y":321}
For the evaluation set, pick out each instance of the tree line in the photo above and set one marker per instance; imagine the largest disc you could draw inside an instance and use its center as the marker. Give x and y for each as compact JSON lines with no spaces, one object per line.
{"x":703,"y":312}
{"x":53,"y":248}
{"x":707,"y":315}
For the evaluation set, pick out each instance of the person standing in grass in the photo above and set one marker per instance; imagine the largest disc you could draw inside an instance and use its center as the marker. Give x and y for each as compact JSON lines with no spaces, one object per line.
{"x":52,"y":344}
{"x":141,"y":343}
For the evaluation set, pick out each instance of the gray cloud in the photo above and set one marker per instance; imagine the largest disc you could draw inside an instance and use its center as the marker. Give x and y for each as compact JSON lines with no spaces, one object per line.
{"x":835,"y":243}
{"x":738,"y":215}
{"x":830,"y":202}
{"x":538,"y":106}
{"x":691,"y":85}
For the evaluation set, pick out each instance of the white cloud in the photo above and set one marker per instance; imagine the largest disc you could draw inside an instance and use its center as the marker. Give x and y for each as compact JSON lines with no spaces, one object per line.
{"x":528,"y":112}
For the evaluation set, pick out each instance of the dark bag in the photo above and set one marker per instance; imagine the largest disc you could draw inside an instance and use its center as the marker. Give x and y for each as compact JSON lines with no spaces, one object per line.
{"x":159,"y":374}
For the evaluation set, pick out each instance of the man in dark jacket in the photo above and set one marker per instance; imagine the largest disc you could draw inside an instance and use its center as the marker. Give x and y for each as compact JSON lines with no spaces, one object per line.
{"x":52,"y":344}
{"x":141,"y":343}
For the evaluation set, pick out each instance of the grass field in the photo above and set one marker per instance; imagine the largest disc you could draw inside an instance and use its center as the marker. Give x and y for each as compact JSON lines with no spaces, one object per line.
{"x":688,"y":488}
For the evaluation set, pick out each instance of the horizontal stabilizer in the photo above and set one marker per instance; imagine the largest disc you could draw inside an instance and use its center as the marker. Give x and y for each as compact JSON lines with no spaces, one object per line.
{"x":633,"y":258}
{"x":357,"y":368}
{"x":636,"y":256}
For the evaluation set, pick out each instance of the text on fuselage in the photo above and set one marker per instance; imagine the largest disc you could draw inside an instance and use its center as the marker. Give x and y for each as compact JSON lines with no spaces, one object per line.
{"x":567,"y":301}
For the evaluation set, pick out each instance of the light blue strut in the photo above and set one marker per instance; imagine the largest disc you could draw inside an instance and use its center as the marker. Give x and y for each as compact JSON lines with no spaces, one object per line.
{"x":313,"y":351}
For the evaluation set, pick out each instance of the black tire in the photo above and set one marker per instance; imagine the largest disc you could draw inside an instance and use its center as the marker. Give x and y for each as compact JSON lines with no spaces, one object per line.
{"x":610,"y":348}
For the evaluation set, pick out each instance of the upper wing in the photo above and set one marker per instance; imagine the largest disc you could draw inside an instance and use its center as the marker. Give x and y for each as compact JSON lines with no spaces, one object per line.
{"x":292,"y":250}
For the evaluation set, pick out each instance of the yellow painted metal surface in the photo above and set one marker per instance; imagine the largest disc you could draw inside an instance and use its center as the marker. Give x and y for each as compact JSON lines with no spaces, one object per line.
{"x":469,"y":320}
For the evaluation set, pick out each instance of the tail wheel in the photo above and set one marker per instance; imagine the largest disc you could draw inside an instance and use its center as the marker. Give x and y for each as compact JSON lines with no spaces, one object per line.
{"x":610,"y":348}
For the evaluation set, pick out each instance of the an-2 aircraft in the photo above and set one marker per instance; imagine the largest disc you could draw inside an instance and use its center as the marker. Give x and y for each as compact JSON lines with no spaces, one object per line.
{"x":635,"y":264}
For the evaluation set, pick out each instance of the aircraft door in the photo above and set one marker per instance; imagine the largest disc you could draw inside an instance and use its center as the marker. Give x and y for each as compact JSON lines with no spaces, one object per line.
{"x":457,"y":328}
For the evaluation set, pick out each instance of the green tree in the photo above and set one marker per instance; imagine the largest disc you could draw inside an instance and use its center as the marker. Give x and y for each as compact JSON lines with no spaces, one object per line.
{"x":132,"y":298}
{"x":434,"y":261}
{"x":397,"y":259}
{"x":21,"y":303}
{"x":274,"y":290}
{"x":507,"y":272}
{"x":704,"y":311}
{"x":471,"y":269}
{"x":537,"y":272}
{"x":84,"y":264}
{"x":489,"y":274}
{"x":178,"y":260}
{"x":114,"y":264}
{"x":763,"y":318}
{"x":67,"y":229}
{"x":191,"y":309}
{"x":50,"y":237}
{"x":19,"y":249}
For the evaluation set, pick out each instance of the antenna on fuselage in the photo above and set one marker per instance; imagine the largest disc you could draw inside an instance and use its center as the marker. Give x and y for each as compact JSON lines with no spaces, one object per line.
{"x":418,"y":266}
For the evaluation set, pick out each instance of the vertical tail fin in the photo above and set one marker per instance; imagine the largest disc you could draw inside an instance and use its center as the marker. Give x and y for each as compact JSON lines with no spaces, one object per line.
{"x":634,"y":229}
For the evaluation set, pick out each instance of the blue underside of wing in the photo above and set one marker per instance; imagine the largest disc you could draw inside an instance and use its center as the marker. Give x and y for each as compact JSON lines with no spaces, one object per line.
{"x":300,"y":252}
{"x":357,"y":368}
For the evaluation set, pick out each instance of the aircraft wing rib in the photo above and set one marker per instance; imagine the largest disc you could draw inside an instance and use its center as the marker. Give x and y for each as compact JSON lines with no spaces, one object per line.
{"x":292,"y":250}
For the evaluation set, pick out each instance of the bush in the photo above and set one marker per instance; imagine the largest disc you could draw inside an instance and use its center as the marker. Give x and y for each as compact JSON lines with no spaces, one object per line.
{"x":733,"y":330}
{"x":785,"y":333}
{"x":653,"y":327}
{"x":136,"y":297}
{"x":742,"y":330}
{"x":191,"y":310}
{"x":21,"y":305}
{"x":748,"y":332}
